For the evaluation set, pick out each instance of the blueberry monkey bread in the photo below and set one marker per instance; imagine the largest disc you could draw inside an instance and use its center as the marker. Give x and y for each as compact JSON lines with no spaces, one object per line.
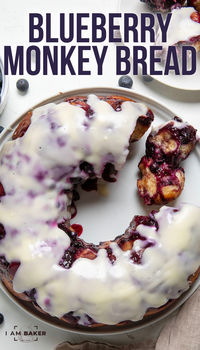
{"x":44,"y":262}
{"x":165,"y":5}
{"x":162,"y":178}
{"x":183,"y":30}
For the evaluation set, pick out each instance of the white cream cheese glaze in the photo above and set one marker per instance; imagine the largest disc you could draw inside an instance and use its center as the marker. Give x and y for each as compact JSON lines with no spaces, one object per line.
{"x":175,"y":123}
{"x":181,"y":27}
{"x":36,"y":168}
{"x":124,"y":291}
{"x":34,"y":171}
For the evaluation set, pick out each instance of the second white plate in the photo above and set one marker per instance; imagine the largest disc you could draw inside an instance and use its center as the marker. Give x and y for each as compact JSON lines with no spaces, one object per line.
{"x":184,"y":82}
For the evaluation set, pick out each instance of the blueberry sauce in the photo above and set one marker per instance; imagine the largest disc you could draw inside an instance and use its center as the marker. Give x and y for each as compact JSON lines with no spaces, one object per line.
{"x":2,"y":192}
{"x":109,"y":173}
{"x":81,"y":102}
{"x":110,"y":255}
{"x":90,"y":185}
{"x":146,"y":220}
{"x":3,"y":263}
{"x":87,"y":168}
{"x":13,"y":266}
{"x":2,"y":232}
{"x":136,"y":257}
{"x":31,"y":294}
{"x":78,"y":248}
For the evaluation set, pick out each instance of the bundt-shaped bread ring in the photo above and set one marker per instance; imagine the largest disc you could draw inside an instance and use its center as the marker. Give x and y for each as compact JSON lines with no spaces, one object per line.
{"x":42,"y":259}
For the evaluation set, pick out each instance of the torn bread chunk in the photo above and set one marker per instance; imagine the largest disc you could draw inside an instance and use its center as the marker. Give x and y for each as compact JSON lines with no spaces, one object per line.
{"x":162,"y":178}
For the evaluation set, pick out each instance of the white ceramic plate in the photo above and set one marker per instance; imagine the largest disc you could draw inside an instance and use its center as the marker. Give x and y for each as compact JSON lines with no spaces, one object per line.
{"x":183,"y":82}
{"x":104,"y":217}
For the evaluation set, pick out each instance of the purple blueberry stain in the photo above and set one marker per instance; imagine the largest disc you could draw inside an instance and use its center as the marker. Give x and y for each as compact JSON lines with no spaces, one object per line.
{"x":52,"y":243}
{"x":60,"y":204}
{"x":41,"y":175}
{"x":86,"y":125}
{"x":53,"y":126}
{"x":149,"y":243}
{"x":61,"y":141}
{"x":11,"y":192}
{"x":24,"y":157}
{"x":59,"y":172}
{"x":14,"y":232}
{"x":47,"y":303}
{"x":52,"y":223}
{"x":31,"y":194}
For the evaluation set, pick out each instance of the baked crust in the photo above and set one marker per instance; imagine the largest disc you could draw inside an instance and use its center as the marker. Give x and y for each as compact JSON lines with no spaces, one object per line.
{"x":142,"y":125}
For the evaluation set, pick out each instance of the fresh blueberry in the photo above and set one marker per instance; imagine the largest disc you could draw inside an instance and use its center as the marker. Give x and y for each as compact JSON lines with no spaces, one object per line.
{"x":1,"y":318}
{"x":22,"y":85}
{"x":126,"y":81}
{"x":147,"y":78}
{"x":1,"y":128}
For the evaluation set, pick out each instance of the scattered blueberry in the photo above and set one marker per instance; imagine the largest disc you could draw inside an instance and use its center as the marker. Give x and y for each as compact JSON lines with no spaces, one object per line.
{"x":1,"y":318}
{"x":126,"y":81}
{"x":22,"y":85}
{"x":1,"y":128}
{"x":147,"y":78}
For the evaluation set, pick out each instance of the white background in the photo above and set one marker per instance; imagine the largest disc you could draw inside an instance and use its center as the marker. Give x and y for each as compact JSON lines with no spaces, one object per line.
{"x":14,"y":31}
